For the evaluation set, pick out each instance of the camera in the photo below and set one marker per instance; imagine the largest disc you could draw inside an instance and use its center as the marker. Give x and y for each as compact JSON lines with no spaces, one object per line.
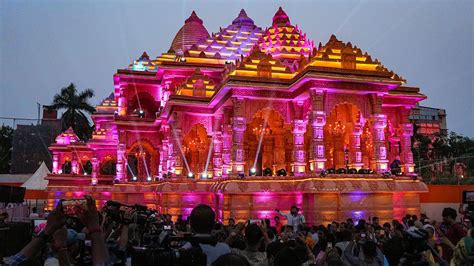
{"x":74,"y":207}
{"x":126,"y":214}
{"x":165,"y":249}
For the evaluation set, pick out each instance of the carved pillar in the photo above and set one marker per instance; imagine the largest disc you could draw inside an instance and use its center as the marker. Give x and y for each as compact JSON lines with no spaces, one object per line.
{"x":406,"y":154}
{"x":176,"y":155}
{"x":121,"y":163}
{"x":356,"y":152}
{"x":279,"y":149}
{"x":74,"y":164}
{"x":164,"y":154}
{"x":380,"y":150}
{"x":394,"y":148}
{"x":238,"y":127}
{"x":318,"y":120}
{"x":55,"y":163}
{"x":95,"y":168}
{"x":217,"y":146}
{"x":122,"y":102}
{"x":299,"y":163}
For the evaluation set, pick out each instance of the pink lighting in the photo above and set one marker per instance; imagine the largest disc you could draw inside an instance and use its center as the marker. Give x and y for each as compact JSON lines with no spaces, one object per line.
{"x":262,"y":98}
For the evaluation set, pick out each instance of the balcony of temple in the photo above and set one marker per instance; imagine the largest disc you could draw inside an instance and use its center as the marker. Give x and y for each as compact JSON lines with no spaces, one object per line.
{"x":198,"y":85}
{"x":261,"y":65}
{"x":143,"y":63}
{"x":286,"y":42}
{"x":336,"y":54}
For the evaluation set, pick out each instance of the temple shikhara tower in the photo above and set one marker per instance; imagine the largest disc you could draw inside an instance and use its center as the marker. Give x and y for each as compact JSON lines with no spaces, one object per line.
{"x":247,"y":120}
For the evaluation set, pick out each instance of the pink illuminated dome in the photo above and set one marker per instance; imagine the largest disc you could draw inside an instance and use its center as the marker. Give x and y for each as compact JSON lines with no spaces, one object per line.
{"x":191,"y":33}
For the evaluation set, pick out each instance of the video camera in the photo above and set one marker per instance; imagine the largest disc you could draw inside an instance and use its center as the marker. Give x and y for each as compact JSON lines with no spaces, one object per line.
{"x":172,"y":250}
{"x":127,"y":214}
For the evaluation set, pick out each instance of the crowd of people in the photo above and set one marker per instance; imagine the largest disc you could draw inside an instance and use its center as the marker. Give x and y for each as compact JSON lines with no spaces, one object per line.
{"x":127,"y":235}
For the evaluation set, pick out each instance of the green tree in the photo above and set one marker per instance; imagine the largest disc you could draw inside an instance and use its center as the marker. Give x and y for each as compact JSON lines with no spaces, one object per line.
{"x":75,"y":104}
{"x":6,"y":139}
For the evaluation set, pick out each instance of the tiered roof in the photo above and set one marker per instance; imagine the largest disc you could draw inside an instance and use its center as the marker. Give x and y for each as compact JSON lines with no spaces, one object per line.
{"x":260,"y":64}
{"x":286,"y":42}
{"x":108,"y":105}
{"x":67,"y":137}
{"x":229,"y":43}
{"x":198,"y":85}
{"x":143,"y":64}
{"x":337,"y":54}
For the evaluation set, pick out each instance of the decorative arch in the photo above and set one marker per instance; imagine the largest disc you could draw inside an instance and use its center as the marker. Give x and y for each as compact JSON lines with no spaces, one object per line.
{"x":190,"y":121}
{"x":268,"y":126}
{"x":142,"y":158}
{"x":339,"y":142}
{"x":107,"y":165}
{"x":255,"y":106}
{"x":359,"y":101}
{"x":145,"y":102}
{"x":196,"y":144}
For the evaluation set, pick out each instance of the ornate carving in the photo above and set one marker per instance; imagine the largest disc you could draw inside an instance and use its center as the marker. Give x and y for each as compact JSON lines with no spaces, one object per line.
{"x":174,"y":187}
{"x":265,"y":186}
{"x":391,"y":185}
{"x":374,"y":186}
{"x":243,"y":186}
{"x":287,"y":186}
{"x":192,"y":186}
{"x":356,"y":185}
{"x":341,"y":186}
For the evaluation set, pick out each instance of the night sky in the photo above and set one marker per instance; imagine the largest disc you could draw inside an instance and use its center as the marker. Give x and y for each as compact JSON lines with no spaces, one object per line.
{"x":45,"y":45}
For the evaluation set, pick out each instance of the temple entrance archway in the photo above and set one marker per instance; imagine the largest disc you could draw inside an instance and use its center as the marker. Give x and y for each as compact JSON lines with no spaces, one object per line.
{"x":196,"y":146}
{"x":141,"y":160}
{"x":342,"y":136}
{"x":276,"y":142}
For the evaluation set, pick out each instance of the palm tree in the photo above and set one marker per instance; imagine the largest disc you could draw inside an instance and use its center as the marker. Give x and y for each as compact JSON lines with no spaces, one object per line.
{"x":75,"y":105}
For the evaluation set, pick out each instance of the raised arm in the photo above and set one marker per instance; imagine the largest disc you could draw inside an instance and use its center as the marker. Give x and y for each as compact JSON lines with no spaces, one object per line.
{"x":90,"y":218}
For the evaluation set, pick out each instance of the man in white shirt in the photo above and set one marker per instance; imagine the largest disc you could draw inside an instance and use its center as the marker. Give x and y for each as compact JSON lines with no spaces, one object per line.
{"x":294,"y":218}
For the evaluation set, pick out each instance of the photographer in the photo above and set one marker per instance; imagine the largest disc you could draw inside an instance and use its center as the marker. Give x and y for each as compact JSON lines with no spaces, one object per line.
{"x":202,"y":222}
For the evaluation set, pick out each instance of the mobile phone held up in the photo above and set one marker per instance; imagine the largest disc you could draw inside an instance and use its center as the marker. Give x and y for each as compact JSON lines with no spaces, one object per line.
{"x":74,"y":207}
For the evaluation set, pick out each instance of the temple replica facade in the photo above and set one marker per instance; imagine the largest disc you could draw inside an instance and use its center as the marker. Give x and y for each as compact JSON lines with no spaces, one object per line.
{"x":248,"y":120}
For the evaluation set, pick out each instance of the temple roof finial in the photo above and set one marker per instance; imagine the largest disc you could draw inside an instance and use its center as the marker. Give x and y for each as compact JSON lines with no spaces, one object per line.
{"x":281,"y":18}
{"x":242,"y":18}
{"x":193,"y":18}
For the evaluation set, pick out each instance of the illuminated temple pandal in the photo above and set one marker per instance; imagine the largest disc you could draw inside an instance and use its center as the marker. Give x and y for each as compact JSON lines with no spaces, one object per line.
{"x":246,"y":120}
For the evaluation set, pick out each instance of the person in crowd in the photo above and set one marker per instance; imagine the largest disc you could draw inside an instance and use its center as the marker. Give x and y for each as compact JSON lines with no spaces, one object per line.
{"x":375,"y":223}
{"x":294,"y":218}
{"x":57,"y":232}
{"x":202,"y":221}
{"x":231,"y":259}
{"x":321,"y":257}
{"x":450,"y":232}
{"x":278,"y":224}
{"x":180,"y":224}
{"x":3,"y":219}
{"x":368,"y":252}
{"x":463,"y":254}
{"x":393,"y":246}
{"x":34,"y":213}
{"x":254,"y":235}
